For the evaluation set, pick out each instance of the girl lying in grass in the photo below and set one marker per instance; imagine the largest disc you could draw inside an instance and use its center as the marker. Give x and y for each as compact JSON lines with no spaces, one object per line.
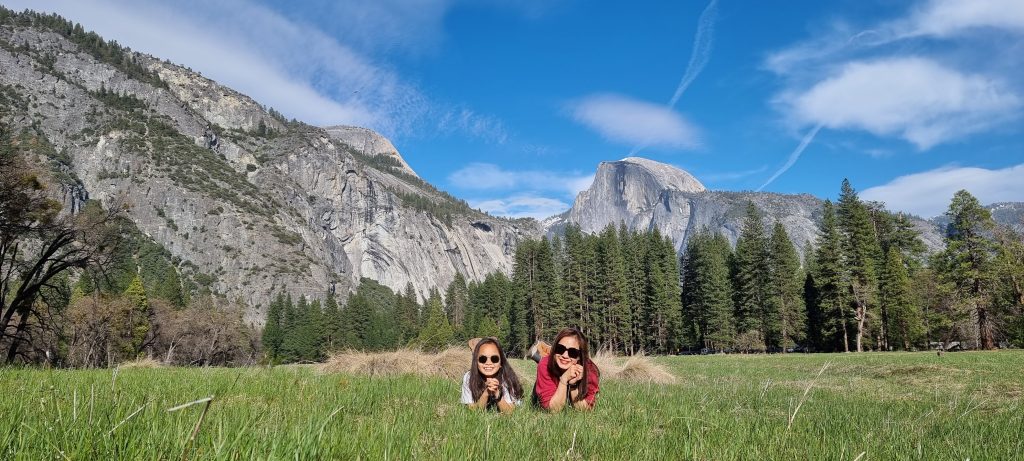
{"x":566,"y":376}
{"x":490,"y":382}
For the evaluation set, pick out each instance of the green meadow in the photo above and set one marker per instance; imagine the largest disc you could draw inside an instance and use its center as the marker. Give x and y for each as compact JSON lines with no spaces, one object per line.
{"x":817,"y":407}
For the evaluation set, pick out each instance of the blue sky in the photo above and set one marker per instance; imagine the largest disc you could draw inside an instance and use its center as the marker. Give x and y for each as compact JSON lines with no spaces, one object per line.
{"x":512,"y":104}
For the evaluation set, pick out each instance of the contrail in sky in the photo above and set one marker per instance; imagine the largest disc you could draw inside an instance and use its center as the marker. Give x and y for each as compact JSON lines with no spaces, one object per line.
{"x":793,"y":157}
{"x":699,"y":57}
{"x":701,"y":53}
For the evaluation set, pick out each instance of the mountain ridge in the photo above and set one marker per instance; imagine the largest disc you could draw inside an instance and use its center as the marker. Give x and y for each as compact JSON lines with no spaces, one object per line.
{"x":260,"y":205}
{"x":657,"y":200}
{"x":257,"y":204}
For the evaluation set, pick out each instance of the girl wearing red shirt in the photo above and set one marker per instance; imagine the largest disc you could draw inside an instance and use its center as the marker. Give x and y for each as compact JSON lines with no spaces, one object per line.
{"x":567,"y":376}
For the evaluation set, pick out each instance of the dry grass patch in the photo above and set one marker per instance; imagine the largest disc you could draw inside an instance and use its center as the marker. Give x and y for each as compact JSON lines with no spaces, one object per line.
{"x":450,"y":363}
{"x":637,"y":368}
{"x":147,"y":362}
{"x":454,"y":362}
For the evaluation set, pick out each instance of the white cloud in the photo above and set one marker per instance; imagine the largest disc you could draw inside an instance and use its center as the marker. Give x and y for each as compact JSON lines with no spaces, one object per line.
{"x":929,"y":19}
{"x":413,"y":26}
{"x":914,"y":98}
{"x":621,"y":119}
{"x":256,"y":51}
{"x":928,"y":193}
{"x":466,"y":121}
{"x":522,"y":206}
{"x":289,"y":64}
{"x":943,"y":18}
{"x":486,"y":176}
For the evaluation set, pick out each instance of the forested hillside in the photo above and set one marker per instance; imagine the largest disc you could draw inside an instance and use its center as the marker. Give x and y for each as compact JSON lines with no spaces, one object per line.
{"x":869,"y":285}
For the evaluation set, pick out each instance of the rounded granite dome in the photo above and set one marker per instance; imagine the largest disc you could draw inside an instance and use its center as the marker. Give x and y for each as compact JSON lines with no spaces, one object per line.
{"x":668,"y":176}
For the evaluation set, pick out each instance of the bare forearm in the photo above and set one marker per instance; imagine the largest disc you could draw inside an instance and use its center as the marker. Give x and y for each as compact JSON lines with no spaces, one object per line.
{"x":480,"y":402}
{"x":557,"y":401}
{"x":505,"y":407}
{"x":582,"y":405}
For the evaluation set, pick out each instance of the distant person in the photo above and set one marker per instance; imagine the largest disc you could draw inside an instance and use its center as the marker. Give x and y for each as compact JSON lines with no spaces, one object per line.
{"x":490,"y":382}
{"x":566,"y":376}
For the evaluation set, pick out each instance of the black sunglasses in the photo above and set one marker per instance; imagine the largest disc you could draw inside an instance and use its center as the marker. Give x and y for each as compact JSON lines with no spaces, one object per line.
{"x":494,"y":359}
{"x":574,"y":353}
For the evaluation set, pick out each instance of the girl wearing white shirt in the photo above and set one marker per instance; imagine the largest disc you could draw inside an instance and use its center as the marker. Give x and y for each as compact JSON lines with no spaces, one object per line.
{"x":490,"y":382}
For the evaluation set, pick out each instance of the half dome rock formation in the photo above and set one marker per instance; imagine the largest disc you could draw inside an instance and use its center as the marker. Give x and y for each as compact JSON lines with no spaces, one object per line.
{"x":628,"y":191}
{"x":645,"y":194}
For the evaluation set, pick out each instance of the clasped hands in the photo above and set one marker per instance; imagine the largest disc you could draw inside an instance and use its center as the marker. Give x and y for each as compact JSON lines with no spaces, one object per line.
{"x":572,"y":375}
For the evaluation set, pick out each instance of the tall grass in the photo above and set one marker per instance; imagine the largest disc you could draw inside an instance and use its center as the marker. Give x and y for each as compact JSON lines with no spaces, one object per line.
{"x":871,"y":406}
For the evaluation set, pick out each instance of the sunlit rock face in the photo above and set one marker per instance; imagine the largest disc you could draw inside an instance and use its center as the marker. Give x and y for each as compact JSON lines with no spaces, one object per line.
{"x":271,"y":207}
{"x":644,"y":195}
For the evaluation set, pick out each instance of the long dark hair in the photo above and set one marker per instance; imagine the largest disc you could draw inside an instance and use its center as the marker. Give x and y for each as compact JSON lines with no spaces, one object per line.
{"x":588,"y":365}
{"x":506,"y":375}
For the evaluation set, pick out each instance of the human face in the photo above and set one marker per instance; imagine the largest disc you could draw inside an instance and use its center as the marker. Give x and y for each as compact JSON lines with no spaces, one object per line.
{"x":490,"y":368}
{"x":563,"y":360}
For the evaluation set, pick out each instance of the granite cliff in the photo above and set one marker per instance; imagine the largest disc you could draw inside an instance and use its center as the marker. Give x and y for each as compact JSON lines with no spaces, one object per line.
{"x":247,"y":202}
{"x":645,"y":194}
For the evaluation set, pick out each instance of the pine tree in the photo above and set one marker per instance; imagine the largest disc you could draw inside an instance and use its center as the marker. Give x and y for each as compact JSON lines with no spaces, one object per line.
{"x":273,"y":332}
{"x":522,"y":323}
{"x":1009,"y":268}
{"x":169,"y":287}
{"x":409,"y":314}
{"x":297,"y":344}
{"x":831,"y":281}
{"x":436,"y":333}
{"x":694,"y":312}
{"x":333,"y":329}
{"x":707,"y":292}
{"x":316,"y":348}
{"x":812,"y":300}
{"x":967,"y":262}
{"x":577,"y":269}
{"x":633,"y":251}
{"x":894,"y":231}
{"x":673,"y":293}
{"x":665,"y":323}
{"x":289,"y":326}
{"x":785,"y":321}
{"x":862,"y":255}
{"x":612,"y":295}
{"x":137,"y":320}
{"x":537,"y":311}
{"x":456,"y":304}
{"x":383,"y":330}
{"x":903,"y":317}
{"x":491,"y":299}
{"x":550,"y":307}
{"x":488,"y":328}
{"x":751,"y":282}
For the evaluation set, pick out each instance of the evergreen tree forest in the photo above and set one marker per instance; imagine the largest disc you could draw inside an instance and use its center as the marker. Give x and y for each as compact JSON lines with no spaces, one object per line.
{"x":866,"y":285}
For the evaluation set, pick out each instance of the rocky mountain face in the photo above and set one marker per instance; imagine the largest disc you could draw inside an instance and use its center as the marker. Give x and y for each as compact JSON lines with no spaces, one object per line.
{"x":645,"y":195}
{"x":248,"y":203}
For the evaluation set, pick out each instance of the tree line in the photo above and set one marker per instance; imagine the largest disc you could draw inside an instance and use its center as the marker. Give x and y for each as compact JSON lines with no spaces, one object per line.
{"x":87,"y":289}
{"x":869,"y":284}
{"x":620,"y":287}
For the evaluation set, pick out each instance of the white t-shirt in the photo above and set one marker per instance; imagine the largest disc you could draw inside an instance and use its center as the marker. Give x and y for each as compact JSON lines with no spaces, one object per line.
{"x":467,"y":394}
